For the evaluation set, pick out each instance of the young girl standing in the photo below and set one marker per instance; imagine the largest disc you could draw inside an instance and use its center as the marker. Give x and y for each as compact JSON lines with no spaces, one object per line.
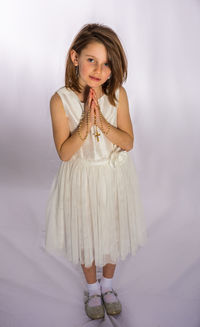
{"x":93,"y":213}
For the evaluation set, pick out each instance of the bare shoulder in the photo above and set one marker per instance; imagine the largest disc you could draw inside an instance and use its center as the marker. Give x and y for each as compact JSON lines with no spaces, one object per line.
{"x":55,"y":97}
{"x":122,"y":95}
{"x":123,"y":106}
{"x":60,"y":122}
{"x":56,"y":106}
{"x":55,"y":102}
{"x":122,"y":92}
{"x":123,"y":115}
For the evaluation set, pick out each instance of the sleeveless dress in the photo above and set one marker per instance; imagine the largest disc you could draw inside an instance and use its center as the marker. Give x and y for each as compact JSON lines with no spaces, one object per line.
{"x":93,"y":209}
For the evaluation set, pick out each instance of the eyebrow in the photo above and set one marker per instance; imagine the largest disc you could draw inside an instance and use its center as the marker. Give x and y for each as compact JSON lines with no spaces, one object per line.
{"x":90,"y":56}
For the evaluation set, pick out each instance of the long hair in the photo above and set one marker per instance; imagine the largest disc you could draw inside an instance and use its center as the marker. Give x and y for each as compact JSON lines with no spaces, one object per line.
{"x":116,"y":58}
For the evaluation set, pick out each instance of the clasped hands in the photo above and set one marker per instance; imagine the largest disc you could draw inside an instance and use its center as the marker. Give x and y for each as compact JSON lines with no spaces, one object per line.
{"x":93,"y":107}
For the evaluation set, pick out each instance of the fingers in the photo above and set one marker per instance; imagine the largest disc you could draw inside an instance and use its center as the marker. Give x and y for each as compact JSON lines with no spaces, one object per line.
{"x":94,"y":97}
{"x":90,"y":98}
{"x":92,"y":102}
{"x":92,"y":105}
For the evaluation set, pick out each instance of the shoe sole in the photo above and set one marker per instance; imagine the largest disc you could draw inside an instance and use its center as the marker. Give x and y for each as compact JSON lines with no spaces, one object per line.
{"x":95,"y":317}
{"x":114,"y":313}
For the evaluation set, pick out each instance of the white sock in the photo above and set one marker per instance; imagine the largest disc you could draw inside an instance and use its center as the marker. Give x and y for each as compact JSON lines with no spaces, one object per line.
{"x":94,"y":288}
{"x":105,"y":284}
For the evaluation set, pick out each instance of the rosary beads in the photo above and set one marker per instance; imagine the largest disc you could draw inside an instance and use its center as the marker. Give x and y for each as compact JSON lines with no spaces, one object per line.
{"x":96,"y":134}
{"x":100,"y":116}
{"x":80,"y":124}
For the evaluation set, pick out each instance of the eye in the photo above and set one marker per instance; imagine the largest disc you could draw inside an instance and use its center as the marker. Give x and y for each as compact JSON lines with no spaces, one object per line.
{"x":89,"y":59}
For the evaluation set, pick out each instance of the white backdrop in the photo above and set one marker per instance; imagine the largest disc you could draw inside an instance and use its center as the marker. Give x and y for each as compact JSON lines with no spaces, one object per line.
{"x":160,"y":286}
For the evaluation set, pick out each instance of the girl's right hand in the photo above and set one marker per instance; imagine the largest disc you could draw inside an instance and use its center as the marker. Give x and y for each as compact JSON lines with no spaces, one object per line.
{"x":89,"y":107}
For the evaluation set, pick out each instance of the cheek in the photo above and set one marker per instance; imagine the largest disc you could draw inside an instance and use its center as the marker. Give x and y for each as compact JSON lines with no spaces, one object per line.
{"x":107,"y":73}
{"x":84,"y":69}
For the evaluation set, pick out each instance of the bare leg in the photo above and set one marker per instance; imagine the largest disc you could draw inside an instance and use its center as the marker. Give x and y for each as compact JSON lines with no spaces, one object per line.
{"x":108,"y":270}
{"x":90,"y":273}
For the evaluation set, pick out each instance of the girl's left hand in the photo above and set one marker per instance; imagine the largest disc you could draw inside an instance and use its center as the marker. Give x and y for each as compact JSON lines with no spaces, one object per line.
{"x":97,"y":108}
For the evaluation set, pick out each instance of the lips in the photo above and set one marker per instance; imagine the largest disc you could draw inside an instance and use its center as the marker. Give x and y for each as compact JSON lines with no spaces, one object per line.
{"x":94,"y":78}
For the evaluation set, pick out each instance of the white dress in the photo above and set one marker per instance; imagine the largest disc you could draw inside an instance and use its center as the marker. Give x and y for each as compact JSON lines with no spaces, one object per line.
{"x":93,"y":210}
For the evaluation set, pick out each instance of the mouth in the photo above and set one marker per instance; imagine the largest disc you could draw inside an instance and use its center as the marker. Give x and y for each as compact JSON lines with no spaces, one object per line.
{"x":95,"y":79}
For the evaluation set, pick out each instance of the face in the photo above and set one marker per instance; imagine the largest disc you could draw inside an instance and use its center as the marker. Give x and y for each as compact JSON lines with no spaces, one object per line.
{"x":93,"y":66}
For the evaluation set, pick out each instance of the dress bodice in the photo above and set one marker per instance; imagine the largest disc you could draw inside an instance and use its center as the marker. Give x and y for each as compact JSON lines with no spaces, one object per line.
{"x":91,"y":148}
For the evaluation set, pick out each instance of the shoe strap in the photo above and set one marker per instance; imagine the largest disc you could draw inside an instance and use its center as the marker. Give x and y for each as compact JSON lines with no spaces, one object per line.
{"x":91,"y":296}
{"x":112,"y":292}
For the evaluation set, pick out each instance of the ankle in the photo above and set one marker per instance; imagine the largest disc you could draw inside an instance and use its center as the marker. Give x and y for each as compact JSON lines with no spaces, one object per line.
{"x":94,"y":288}
{"x":106,"y":284}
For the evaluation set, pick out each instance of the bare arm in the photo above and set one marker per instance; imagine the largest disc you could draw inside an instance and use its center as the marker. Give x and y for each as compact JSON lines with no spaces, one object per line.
{"x":66,"y":143}
{"x":123,"y":135}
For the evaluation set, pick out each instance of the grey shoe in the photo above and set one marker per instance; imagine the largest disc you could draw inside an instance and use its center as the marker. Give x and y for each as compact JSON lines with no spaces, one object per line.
{"x":112,"y":308}
{"x":96,"y":312}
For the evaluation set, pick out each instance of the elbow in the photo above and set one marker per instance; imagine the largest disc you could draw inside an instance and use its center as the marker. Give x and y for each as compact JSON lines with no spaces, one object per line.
{"x":63,"y":157}
{"x":129,"y":148}
{"x":130,"y":145}
{"x":64,"y":154}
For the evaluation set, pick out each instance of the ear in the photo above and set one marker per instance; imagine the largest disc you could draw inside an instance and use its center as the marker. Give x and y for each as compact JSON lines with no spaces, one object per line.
{"x":74,"y":57}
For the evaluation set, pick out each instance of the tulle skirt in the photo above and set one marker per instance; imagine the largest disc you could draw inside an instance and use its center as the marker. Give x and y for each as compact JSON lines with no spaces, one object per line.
{"x":94,"y":211}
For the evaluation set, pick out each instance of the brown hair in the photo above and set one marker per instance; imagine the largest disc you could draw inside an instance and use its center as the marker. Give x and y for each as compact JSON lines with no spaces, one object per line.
{"x":116,"y":58}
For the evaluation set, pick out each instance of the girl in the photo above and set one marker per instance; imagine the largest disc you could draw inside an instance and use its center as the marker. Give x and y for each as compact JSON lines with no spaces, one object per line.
{"x":93,"y":213}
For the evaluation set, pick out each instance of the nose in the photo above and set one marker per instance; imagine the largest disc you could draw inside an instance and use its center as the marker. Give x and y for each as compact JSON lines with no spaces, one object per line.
{"x":98,"y":68}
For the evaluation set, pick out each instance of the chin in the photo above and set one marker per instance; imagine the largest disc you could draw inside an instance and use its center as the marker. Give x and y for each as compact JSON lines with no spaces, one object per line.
{"x":95,"y":84}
